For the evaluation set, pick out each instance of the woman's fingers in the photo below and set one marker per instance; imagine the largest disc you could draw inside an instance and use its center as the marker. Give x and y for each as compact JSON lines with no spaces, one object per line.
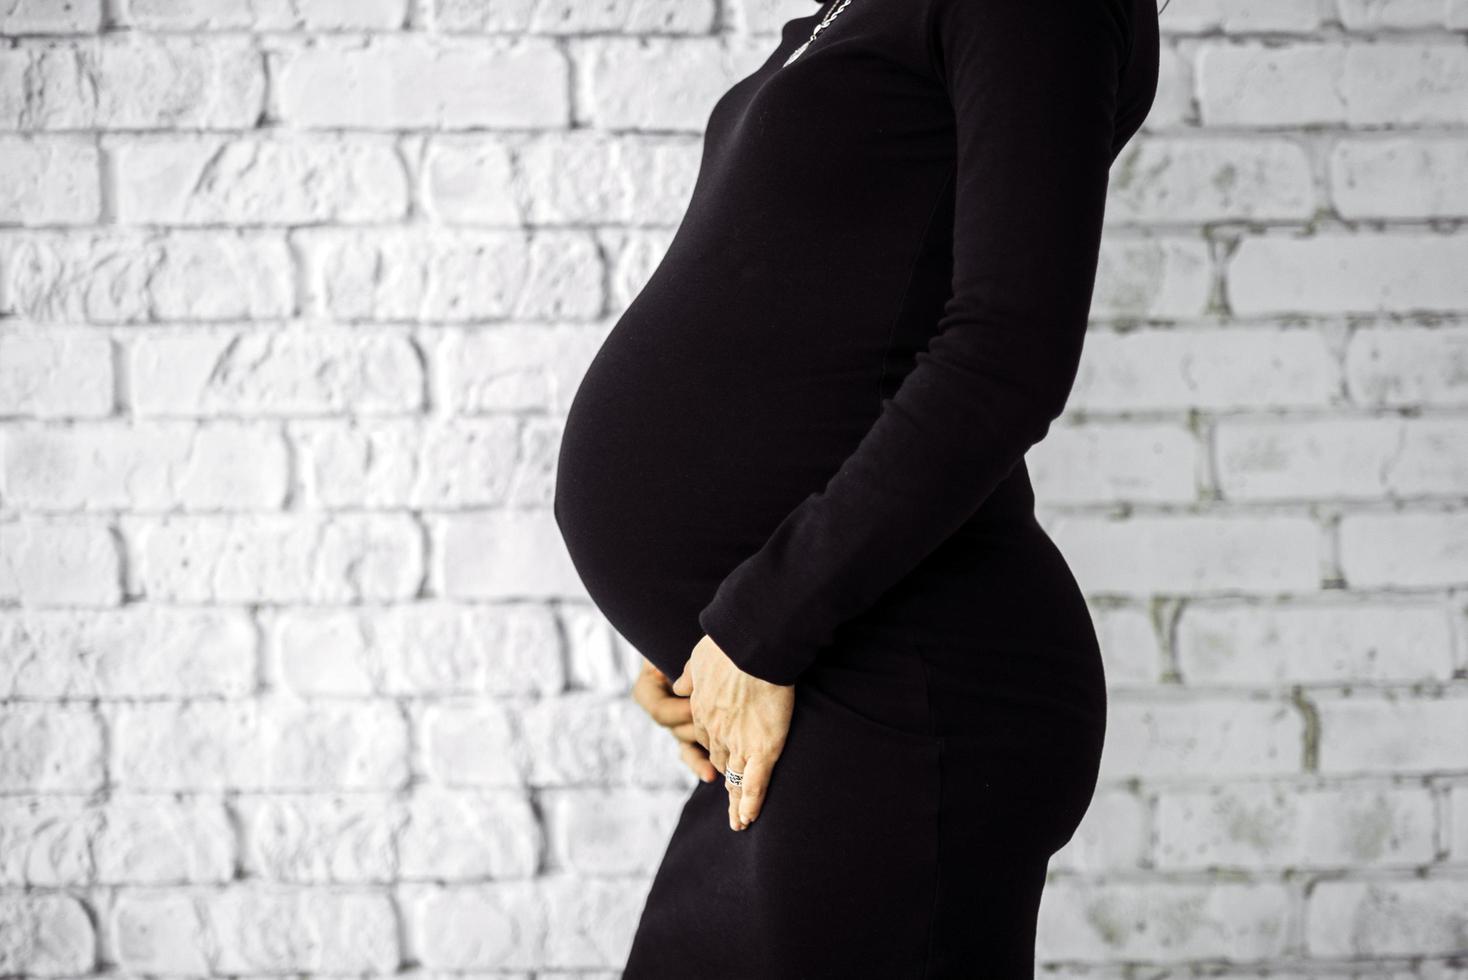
{"x":736,"y":791}
{"x":697,"y":760}
{"x":753,"y":787}
{"x":683,"y":733}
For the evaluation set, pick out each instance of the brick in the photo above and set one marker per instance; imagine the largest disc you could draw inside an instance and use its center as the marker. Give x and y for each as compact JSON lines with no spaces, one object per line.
{"x":50,"y":749}
{"x":45,"y":935}
{"x":1407,"y":366}
{"x":452,"y":741}
{"x":1205,"y":368}
{"x":258,"y":745}
{"x":660,"y":83}
{"x":59,"y":563}
{"x":1130,"y":645}
{"x":599,"y":831}
{"x":503,"y":554}
{"x":364,"y":462}
{"x":47,"y":17}
{"x":1191,"y":554}
{"x":1102,"y":462}
{"x":1361,"y":642}
{"x":135,"y":652}
{"x":1162,"y":921}
{"x":588,"y":737}
{"x":1153,"y":277}
{"x":1400,"y":177}
{"x":255,"y":926}
{"x":55,"y":373}
{"x":1404,"y":550}
{"x":470,"y":835}
{"x":1334,"y":458}
{"x":419,"y":650}
{"x":1203,"y":736}
{"x":276,"y":558}
{"x":264,"y":15}
{"x":152,"y":466}
{"x":558,"y":921}
{"x":307,"y":370}
{"x":597,"y":658}
{"x":442,"y":275}
{"x":132,"y":80}
{"x":619,"y":16}
{"x":1423,"y":917}
{"x":418,"y":81}
{"x":1348,"y":273}
{"x":1391,"y":733}
{"x":1352,"y":83}
{"x":49,"y":181}
{"x":293,"y":179}
{"x":308,"y":838}
{"x":1114,"y":835}
{"x":1190,"y":179}
{"x":1259,"y":827}
{"x":131,"y":277}
{"x":516,"y":368}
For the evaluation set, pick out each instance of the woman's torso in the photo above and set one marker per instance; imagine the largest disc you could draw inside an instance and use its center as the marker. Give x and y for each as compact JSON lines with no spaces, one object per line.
{"x":811,"y":266}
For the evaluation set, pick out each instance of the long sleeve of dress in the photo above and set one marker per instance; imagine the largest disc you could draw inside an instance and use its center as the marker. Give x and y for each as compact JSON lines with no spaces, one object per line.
{"x":1034,"y":86}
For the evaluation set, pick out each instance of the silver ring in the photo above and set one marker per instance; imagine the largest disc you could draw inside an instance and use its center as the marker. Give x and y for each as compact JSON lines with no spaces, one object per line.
{"x":735,"y":778}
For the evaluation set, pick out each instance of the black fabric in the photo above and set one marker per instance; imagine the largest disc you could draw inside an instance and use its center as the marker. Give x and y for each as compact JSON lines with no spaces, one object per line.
{"x":805,"y":437}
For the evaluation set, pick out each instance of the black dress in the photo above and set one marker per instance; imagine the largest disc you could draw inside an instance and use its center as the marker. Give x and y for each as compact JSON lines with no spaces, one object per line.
{"x":805,"y":437}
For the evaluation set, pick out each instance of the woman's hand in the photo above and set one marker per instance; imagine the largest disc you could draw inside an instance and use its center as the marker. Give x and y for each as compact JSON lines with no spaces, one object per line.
{"x":654,"y":692}
{"x":742,"y":719}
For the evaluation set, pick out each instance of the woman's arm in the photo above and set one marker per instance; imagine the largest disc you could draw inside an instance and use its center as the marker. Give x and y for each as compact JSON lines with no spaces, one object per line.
{"x":1034,"y":88}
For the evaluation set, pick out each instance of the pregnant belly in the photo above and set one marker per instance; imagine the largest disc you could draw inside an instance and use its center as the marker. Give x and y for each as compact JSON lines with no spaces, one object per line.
{"x":674,"y":466}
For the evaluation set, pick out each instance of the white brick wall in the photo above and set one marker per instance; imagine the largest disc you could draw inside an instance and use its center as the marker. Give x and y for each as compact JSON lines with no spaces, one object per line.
{"x":295,"y":678}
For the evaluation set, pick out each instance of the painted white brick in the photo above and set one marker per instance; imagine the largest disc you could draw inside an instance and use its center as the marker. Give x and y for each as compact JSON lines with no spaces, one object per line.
{"x":1399,"y":177}
{"x":49,"y":180}
{"x":452,"y":275}
{"x":1400,"y":366}
{"x":1355,"y":83}
{"x":147,"y":467}
{"x":1202,"y":737}
{"x":1356,"y":642}
{"x":1191,"y":555}
{"x":45,"y":935}
{"x":1372,"y":15}
{"x":130,"y":277}
{"x":592,"y":177}
{"x":473,"y":744}
{"x":255,"y":926}
{"x":297,"y":178}
{"x":516,"y":368}
{"x":1224,"y":368}
{"x":47,"y":748}
{"x":49,"y":17}
{"x":55,"y":373}
{"x":1114,"y":835}
{"x":610,"y":831}
{"x":131,"y":80}
{"x":59,"y":563}
{"x":1161,"y":921}
{"x":308,"y":369}
{"x":1279,"y":826}
{"x":556,"y":921}
{"x":1422,"y":917}
{"x":264,"y":15}
{"x":272,"y":744}
{"x":1099,"y":461}
{"x":659,"y":83}
{"x":1131,"y":648}
{"x":1192,"y":179}
{"x":136,"y":652}
{"x":1345,"y":273}
{"x":1163,"y":276}
{"x":276,"y":558}
{"x":419,"y":649}
{"x":1424,"y":549}
{"x":566,"y":16}
{"x":419,"y":81}
{"x":1353,"y":457}
{"x":583,"y":737}
{"x":504,"y":554}
{"x":1392,"y":733}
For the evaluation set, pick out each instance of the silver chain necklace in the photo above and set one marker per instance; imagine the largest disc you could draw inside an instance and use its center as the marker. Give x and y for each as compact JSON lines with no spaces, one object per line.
{"x":826,"y":20}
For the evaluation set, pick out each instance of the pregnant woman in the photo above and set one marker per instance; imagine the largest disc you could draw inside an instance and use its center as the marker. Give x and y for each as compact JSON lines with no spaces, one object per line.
{"x":793,"y":478}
